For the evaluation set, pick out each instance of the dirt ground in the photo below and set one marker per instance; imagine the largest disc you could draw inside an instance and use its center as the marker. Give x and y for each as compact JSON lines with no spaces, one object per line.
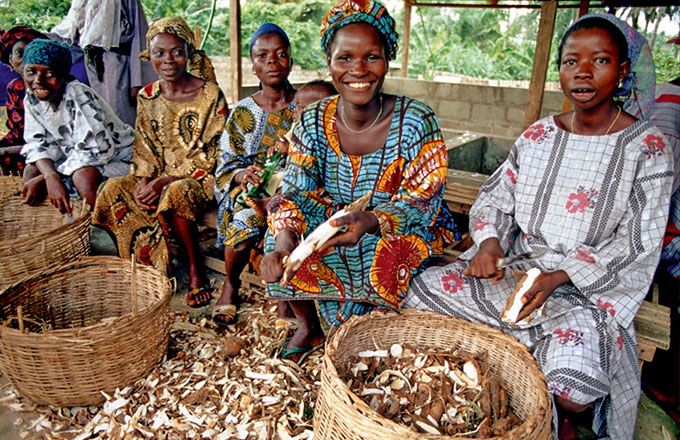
{"x":652,"y":422}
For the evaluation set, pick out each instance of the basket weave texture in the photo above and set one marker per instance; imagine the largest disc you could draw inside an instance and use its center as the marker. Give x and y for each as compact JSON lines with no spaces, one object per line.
{"x":97,"y":341}
{"x":35,"y":238}
{"x":10,"y":186}
{"x":341,"y":415}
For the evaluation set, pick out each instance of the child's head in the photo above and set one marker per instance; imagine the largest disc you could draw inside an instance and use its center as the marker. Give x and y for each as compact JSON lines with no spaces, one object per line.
{"x":311,"y":92}
{"x":46,"y":68}
{"x":592,"y":60}
{"x":12,"y":45}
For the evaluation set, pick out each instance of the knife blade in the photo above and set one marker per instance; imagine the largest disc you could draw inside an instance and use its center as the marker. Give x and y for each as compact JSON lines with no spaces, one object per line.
{"x":514,"y":260}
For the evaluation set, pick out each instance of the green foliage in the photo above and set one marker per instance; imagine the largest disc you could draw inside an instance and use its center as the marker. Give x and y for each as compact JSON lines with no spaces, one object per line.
{"x":39,"y":14}
{"x":482,"y":43}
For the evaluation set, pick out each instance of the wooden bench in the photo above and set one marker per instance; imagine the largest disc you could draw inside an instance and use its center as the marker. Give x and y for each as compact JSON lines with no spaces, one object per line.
{"x":652,"y":323}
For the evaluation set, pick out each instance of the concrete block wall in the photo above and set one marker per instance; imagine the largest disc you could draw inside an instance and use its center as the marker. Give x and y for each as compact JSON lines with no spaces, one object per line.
{"x":485,"y":109}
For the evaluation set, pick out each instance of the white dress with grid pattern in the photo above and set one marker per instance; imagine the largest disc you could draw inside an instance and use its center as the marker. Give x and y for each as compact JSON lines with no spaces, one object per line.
{"x":596,"y":206}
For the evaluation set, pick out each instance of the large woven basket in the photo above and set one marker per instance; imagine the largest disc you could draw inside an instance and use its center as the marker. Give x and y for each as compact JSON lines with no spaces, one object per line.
{"x":10,"y":186}
{"x":34,"y":238}
{"x":341,"y":415}
{"x":95,"y":341}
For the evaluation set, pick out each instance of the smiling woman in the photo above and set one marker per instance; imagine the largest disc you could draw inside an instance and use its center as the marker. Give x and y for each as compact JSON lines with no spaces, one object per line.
{"x":179,"y":121}
{"x":359,"y":142}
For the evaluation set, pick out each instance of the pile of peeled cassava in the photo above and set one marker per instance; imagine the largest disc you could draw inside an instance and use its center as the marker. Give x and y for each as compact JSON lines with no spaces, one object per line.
{"x":432,"y":392}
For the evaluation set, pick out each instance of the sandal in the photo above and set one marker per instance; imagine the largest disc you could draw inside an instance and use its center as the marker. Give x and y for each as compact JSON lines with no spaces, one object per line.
{"x":224,"y":314}
{"x":194,"y":295}
{"x":287,"y":353}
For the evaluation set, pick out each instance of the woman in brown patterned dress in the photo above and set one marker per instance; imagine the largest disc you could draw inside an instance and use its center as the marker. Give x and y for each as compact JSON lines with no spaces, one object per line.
{"x":179,"y":122}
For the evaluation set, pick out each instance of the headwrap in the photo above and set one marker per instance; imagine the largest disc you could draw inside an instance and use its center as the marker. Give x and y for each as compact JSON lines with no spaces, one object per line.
{"x":268,"y":29}
{"x":53,"y":54}
{"x":638,"y":86}
{"x":13,"y":36}
{"x":199,"y":63}
{"x":360,"y":11}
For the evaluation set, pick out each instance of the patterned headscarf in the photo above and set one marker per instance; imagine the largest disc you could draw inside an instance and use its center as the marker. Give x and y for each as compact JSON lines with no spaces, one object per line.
{"x":199,"y":63}
{"x":13,"y":36}
{"x":55,"y":55}
{"x":638,"y":86}
{"x":268,"y":29}
{"x":360,"y":11}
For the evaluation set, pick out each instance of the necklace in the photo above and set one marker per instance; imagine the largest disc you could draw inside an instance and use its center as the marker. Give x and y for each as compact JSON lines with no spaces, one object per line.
{"x":616,"y":118}
{"x":343,"y":117}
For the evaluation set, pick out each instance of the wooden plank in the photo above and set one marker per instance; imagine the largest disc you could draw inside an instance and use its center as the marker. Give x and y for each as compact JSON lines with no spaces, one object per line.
{"x":248,"y":279}
{"x":235,"y":49}
{"x":407,"y":38}
{"x":462,"y":188}
{"x":653,"y":325}
{"x":541,"y":60}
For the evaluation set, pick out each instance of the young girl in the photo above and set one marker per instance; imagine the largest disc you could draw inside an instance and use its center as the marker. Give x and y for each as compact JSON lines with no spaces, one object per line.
{"x":72,"y":136}
{"x":588,"y":190}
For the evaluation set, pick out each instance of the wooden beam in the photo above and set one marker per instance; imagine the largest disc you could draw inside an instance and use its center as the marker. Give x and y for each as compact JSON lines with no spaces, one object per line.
{"x":235,"y":49}
{"x":541,"y":61}
{"x":407,"y":38}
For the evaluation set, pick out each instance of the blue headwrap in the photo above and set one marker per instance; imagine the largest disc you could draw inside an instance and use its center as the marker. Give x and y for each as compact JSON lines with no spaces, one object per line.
{"x":56,"y":56}
{"x":267,"y":29}
{"x":638,"y":86}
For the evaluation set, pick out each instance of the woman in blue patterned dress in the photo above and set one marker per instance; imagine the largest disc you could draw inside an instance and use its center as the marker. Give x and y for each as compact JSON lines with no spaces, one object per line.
{"x":253,"y":127}
{"x":346,"y":146}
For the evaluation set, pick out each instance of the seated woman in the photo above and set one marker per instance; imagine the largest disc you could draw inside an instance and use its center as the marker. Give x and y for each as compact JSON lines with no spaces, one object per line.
{"x":179,"y":121}
{"x":588,"y":191}
{"x":71,"y":134}
{"x":12,"y":44}
{"x":345,"y":147}
{"x":254,"y":126}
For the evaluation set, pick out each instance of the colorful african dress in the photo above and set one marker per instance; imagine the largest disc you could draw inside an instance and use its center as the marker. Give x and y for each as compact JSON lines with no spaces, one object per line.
{"x":14,"y":163}
{"x":407,"y":176}
{"x":249,"y":133}
{"x":596,"y":207}
{"x":178,"y":139}
{"x":81,"y":132}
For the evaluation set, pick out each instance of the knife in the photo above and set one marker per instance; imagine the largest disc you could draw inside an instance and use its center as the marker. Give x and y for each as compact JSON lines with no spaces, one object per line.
{"x":514,"y":260}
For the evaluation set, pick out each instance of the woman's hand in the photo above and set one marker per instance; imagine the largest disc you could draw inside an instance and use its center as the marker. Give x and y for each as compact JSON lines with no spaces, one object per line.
{"x":357,"y":224}
{"x":540,"y":291}
{"x":483,"y":264}
{"x":281,"y":146}
{"x":271,"y":266}
{"x":148,"y":195}
{"x":249,"y":176}
{"x":34,"y":191}
{"x":58,"y":194}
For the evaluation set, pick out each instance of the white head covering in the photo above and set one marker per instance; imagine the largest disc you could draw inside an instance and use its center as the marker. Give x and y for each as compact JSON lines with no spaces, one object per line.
{"x":91,"y":23}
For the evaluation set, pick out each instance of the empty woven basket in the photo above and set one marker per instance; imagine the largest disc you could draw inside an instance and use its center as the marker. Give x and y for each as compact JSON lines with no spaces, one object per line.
{"x":341,"y":415}
{"x":82,"y":332}
{"x":34,"y":238}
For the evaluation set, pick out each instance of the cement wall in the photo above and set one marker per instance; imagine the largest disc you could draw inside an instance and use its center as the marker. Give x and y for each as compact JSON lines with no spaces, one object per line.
{"x":484,"y":109}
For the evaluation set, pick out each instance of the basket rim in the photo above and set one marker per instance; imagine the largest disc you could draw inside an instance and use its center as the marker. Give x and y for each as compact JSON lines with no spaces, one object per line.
{"x":25,"y":241}
{"x":336,"y":337}
{"x":81,"y":263}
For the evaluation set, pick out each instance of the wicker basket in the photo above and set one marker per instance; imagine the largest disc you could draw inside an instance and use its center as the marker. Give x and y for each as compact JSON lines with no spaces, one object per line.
{"x":95,"y":341}
{"x":34,"y":238}
{"x":10,"y":186}
{"x":341,"y":415}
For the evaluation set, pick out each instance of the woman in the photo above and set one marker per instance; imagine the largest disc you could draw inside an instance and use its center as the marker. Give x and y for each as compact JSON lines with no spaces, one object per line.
{"x":179,"y":121}
{"x":12,"y":45}
{"x":598,"y":239}
{"x":345,"y":147}
{"x":254,"y":126}
{"x":72,"y":136}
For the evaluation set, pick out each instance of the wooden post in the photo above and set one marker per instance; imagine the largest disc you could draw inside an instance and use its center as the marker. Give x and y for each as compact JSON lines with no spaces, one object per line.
{"x":235,"y":49}
{"x":541,"y":61}
{"x":407,"y":38}
{"x":582,"y":10}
